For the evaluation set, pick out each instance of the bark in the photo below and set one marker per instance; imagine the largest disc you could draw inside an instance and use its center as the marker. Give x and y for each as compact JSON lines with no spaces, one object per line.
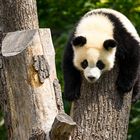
{"x":102,"y":113}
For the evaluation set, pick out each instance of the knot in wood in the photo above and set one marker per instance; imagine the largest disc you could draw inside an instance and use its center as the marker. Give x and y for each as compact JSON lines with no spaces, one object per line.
{"x":1,"y":65}
{"x":57,"y":90}
{"x":37,"y":134}
{"x":41,"y":65}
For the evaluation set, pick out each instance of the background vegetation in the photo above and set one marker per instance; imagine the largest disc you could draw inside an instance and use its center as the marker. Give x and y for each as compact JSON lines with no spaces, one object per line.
{"x":60,"y":16}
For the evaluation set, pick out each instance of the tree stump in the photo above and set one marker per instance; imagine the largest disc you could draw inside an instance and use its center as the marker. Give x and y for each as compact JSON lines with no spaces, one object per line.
{"x":33,"y":92}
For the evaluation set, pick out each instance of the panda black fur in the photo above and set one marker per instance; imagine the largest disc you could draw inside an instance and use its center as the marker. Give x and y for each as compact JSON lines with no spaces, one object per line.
{"x":101,"y":37}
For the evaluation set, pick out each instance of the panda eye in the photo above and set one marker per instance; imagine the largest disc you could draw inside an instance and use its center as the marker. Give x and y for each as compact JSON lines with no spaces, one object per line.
{"x":84,"y":64}
{"x":100,"y":64}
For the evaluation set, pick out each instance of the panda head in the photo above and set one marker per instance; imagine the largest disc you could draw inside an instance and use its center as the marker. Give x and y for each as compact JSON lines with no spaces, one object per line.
{"x":93,"y":56}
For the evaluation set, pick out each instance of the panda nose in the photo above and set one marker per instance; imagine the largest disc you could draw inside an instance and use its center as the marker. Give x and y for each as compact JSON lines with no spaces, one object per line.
{"x":91,"y":78}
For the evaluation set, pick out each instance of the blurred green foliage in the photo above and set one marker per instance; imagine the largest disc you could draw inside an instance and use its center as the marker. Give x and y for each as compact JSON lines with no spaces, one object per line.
{"x":61,"y":15}
{"x":134,"y":123}
{"x":3,"y":135}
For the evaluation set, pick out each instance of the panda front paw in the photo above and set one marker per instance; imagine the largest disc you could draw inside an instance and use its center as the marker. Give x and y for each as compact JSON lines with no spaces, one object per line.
{"x":124,"y":85}
{"x":72,"y":95}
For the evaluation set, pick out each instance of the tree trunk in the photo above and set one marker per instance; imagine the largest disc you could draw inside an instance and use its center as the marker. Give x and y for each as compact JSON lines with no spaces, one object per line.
{"x":30,"y":94}
{"x":101,"y":113}
{"x":13,"y":15}
{"x":29,"y":75}
{"x":19,"y":15}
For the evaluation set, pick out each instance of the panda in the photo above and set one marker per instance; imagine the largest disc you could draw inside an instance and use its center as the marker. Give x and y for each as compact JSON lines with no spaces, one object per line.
{"x":102,"y":37}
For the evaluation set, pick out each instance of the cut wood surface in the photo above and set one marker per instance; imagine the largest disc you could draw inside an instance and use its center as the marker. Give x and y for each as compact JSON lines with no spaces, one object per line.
{"x":62,"y":127}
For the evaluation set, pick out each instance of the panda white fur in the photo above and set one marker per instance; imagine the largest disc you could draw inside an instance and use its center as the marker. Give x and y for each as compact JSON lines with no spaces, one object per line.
{"x":101,"y":37}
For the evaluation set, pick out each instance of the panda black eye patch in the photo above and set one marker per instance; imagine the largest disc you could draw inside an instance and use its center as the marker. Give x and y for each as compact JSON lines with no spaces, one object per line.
{"x":100,"y":64}
{"x":84,"y":64}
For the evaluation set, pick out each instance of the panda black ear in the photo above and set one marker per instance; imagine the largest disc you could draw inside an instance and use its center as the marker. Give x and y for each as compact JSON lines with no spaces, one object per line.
{"x":109,"y":44}
{"x":79,"y":41}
